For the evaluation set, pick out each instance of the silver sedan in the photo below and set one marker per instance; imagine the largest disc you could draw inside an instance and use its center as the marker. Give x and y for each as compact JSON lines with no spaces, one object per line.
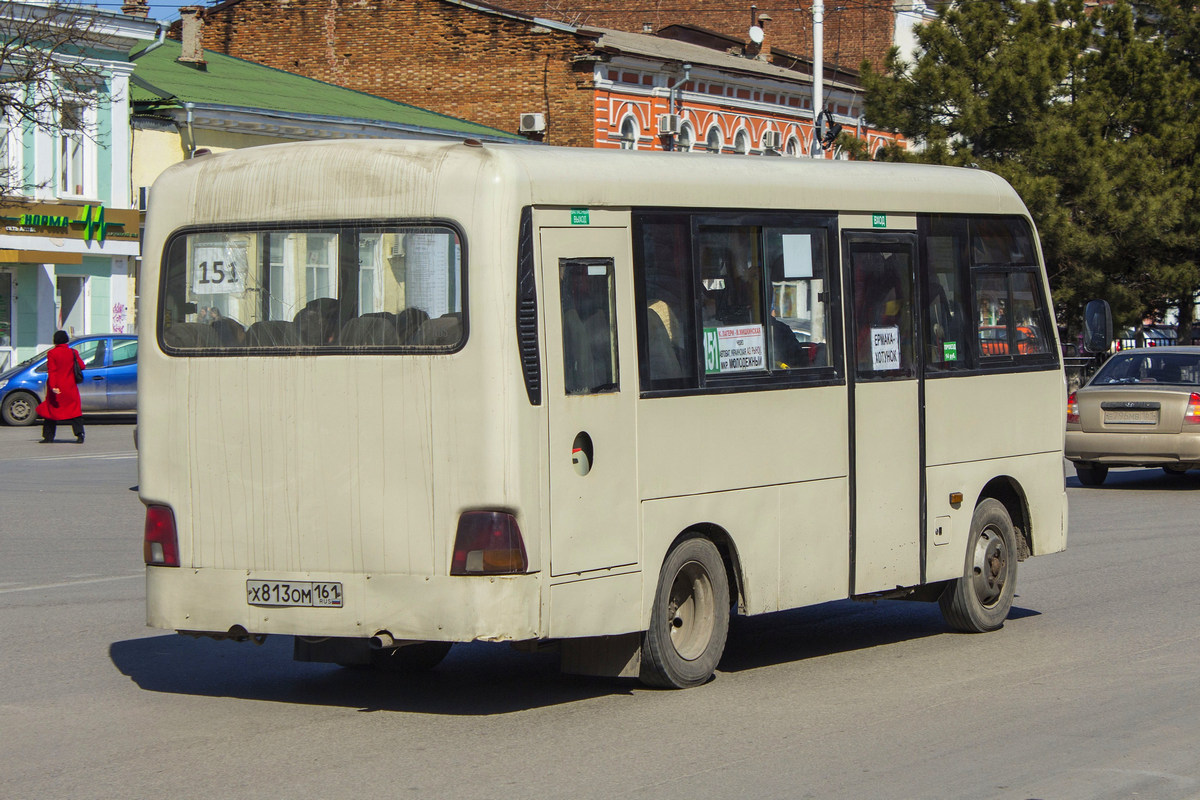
{"x":1141,"y":409}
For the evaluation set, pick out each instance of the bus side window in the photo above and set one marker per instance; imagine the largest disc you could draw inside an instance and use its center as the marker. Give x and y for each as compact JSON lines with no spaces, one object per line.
{"x":663,"y":260}
{"x":589,"y":323}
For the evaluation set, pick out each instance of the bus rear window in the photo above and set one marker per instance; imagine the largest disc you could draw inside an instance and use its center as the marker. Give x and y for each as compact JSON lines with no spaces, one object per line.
{"x":319,"y":288}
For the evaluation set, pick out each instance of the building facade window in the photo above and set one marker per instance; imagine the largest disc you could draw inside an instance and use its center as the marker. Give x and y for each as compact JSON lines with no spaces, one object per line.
{"x":741,"y":143}
{"x":712,"y":142}
{"x":76,"y":159}
{"x":687,"y":138}
{"x":629,"y":134}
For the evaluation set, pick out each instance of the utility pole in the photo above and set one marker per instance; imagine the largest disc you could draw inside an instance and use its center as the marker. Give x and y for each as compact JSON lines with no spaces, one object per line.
{"x":818,"y":12}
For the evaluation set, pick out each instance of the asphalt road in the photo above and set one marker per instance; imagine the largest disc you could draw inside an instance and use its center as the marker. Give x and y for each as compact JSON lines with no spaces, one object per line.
{"x":1089,"y":691}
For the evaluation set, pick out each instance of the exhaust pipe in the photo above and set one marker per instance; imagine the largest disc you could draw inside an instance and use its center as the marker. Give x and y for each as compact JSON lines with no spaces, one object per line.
{"x":381,"y":641}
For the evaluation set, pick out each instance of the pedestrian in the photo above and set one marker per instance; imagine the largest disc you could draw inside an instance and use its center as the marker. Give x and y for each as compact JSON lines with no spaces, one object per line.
{"x":62,"y":402}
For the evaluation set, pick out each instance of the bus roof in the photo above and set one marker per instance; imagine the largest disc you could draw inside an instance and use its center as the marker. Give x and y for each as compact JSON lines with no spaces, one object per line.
{"x":375,"y":178}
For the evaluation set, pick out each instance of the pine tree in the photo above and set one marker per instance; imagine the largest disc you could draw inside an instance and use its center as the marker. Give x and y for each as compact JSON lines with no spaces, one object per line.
{"x":1091,"y":116}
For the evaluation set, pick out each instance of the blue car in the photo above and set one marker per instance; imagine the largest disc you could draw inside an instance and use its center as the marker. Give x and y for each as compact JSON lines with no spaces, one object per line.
{"x":109,"y":379}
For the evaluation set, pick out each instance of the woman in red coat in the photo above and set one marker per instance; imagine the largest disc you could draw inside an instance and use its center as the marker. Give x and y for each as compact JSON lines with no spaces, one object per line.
{"x":62,"y":395}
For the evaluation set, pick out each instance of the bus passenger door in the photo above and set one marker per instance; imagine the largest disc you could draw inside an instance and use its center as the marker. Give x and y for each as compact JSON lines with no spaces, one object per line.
{"x":886,"y":411}
{"x":591,"y":392}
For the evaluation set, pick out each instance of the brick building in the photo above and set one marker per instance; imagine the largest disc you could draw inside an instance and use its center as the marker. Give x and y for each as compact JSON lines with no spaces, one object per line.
{"x":853,"y":31}
{"x":563,"y":84}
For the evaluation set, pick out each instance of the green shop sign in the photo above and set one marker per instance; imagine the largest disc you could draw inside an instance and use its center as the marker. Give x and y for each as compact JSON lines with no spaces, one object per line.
{"x":91,"y":223}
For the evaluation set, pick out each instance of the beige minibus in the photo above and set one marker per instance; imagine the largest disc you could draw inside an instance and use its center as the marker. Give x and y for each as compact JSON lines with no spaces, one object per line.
{"x":400,"y":394}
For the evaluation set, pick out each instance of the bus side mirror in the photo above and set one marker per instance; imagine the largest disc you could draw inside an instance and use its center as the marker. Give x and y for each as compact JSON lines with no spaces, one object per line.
{"x":1097,"y":327}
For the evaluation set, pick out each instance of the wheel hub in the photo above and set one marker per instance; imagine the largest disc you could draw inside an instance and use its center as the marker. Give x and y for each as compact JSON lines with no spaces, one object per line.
{"x":990,"y":572}
{"x":692,"y":611}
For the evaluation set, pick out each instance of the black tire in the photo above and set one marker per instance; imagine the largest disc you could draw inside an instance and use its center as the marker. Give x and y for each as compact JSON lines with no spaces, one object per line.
{"x":1176,"y":469}
{"x":690,"y":618}
{"x":19,"y":408}
{"x":411,"y":658}
{"x":1091,"y":474}
{"x":980,"y":600}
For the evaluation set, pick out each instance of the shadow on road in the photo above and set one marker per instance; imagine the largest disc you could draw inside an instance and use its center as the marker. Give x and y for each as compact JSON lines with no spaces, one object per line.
{"x":831,"y":628}
{"x":475,"y":679}
{"x":484,"y":679}
{"x":1143,"y":480}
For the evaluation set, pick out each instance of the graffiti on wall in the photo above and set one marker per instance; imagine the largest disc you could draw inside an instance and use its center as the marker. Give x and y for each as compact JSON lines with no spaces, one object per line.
{"x":119,"y":317}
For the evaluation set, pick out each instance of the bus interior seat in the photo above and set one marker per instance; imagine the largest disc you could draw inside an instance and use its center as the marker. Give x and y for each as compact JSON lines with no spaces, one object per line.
{"x":664,"y":363}
{"x":409,"y":322}
{"x":317,"y":322}
{"x":190,"y":335}
{"x":229,"y":332}
{"x":370,"y":330}
{"x":271,"y":333}
{"x":439,"y":332}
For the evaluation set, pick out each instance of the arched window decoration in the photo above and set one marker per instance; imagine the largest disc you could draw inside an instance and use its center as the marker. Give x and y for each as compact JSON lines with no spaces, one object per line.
{"x":712,"y":142}
{"x":741,"y":143}
{"x":687,"y":137}
{"x":629,"y":133}
{"x":793,"y":146}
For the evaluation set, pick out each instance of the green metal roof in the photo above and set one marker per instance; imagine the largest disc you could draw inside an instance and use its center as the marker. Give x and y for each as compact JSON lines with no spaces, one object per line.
{"x":160,"y":81}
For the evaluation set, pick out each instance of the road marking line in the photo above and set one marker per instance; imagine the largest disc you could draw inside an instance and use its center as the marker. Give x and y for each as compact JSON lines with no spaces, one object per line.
{"x":64,"y":584}
{"x":104,"y":456}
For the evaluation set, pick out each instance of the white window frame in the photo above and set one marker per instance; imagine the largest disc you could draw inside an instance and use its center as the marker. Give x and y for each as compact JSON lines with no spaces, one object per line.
{"x":741,"y":142}
{"x":11,"y":162}
{"x":66,"y":182}
{"x":708,"y":136}
{"x":686,"y":139}
{"x":629,"y":141}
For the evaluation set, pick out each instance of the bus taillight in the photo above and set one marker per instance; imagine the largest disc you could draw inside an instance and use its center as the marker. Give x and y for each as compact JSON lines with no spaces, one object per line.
{"x":1192,"y":414}
{"x":1072,"y":410}
{"x":488,"y":543}
{"x":160,"y":543}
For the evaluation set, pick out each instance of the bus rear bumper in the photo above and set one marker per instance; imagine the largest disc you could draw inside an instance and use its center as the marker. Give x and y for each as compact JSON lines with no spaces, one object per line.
{"x":408,"y":607}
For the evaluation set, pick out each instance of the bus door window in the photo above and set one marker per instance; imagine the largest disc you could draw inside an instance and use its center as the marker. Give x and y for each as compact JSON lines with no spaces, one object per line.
{"x":1026,"y":314}
{"x":588,"y":290}
{"x":882,"y":283}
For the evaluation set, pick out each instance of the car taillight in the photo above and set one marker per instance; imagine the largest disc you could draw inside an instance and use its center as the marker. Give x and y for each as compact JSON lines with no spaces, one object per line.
{"x":1073,"y":410}
{"x":160,"y":543}
{"x":488,"y":543}
{"x":1192,"y":415}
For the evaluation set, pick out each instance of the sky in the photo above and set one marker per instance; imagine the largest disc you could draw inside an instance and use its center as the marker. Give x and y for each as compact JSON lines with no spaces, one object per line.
{"x":164,"y":11}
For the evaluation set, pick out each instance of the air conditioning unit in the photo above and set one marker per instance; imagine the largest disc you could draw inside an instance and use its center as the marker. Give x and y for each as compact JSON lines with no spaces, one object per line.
{"x":668,"y":124}
{"x":533,"y":123}
{"x":772,"y":140}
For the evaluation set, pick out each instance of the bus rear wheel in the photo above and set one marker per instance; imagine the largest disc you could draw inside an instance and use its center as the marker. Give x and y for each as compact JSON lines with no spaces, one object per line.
{"x":411,"y":658}
{"x":980,"y":600}
{"x":690,"y":618}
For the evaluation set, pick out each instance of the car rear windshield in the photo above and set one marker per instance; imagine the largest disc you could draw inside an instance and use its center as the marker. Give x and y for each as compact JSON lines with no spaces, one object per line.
{"x":1181,"y":369}
{"x":320,"y":288}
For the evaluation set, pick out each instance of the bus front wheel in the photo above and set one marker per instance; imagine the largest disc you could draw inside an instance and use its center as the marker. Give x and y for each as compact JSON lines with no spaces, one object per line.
{"x":980,"y":600}
{"x":690,"y":618}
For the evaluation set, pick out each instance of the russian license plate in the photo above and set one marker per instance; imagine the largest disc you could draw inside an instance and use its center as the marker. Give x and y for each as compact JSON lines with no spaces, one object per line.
{"x":294,"y":593}
{"x":1127,"y":417}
